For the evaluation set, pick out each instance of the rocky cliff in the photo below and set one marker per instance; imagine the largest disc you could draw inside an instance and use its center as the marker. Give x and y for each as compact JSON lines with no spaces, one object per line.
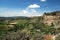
{"x":49,"y":19}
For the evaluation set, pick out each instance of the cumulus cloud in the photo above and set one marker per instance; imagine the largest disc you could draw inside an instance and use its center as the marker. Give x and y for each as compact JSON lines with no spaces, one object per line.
{"x":33,"y":10}
{"x":24,"y":11}
{"x":43,"y":0}
{"x":33,"y":6}
{"x":29,"y":11}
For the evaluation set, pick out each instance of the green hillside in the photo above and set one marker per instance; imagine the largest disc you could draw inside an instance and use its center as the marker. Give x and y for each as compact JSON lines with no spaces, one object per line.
{"x":25,"y":28}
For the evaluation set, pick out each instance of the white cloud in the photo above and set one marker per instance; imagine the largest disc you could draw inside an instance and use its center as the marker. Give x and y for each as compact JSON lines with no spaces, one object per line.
{"x":33,"y":10}
{"x":24,"y":11}
{"x":33,"y":6}
{"x":43,"y":0}
{"x":29,"y":11}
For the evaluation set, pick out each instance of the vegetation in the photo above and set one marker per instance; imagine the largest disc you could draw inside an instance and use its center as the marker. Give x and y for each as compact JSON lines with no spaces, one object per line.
{"x":25,"y":29}
{"x":51,"y":13}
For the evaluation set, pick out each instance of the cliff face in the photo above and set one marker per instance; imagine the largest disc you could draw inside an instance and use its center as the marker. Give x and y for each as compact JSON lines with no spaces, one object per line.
{"x":55,"y":19}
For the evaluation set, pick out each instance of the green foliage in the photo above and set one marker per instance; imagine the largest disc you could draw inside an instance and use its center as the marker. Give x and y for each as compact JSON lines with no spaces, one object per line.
{"x":31,"y":28}
{"x":51,"y":13}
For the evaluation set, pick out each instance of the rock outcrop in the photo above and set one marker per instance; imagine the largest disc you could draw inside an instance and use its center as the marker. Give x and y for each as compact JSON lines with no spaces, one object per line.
{"x":55,"y":19}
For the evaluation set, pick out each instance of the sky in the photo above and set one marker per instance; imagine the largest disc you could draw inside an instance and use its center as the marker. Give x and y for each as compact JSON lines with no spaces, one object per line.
{"x":29,"y":8}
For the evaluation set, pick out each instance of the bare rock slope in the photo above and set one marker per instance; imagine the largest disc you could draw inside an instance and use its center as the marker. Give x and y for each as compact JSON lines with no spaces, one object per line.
{"x":49,"y":19}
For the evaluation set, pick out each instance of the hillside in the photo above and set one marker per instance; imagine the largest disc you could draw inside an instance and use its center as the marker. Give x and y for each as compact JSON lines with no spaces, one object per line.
{"x":53,"y":17}
{"x":44,"y":27}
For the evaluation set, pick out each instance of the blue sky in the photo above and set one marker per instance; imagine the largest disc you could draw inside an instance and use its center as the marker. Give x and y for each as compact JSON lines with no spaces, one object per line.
{"x":27,"y":7}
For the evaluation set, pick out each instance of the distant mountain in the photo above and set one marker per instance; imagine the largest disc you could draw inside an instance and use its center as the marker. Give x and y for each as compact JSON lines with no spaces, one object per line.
{"x":16,"y":17}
